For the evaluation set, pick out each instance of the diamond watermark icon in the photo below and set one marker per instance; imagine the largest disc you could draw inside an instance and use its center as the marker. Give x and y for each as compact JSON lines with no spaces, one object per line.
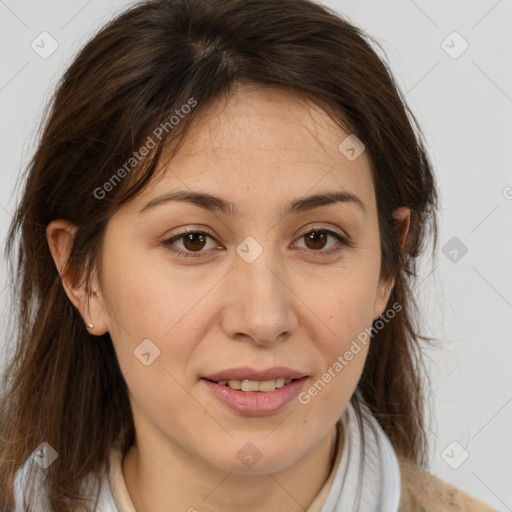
{"x":249,"y":249}
{"x":44,"y":455}
{"x":454,"y":249}
{"x":351,"y":147}
{"x":44,"y":45}
{"x":454,"y":45}
{"x":454,"y":455}
{"x":147,"y":352}
{"x":249,"y":454}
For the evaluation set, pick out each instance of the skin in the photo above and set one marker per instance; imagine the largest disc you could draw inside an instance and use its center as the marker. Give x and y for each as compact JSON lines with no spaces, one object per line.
{"x":292,"y":306}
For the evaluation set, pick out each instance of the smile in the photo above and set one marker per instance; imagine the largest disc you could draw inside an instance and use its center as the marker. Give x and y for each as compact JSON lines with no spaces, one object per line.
{"x":255,"y":385}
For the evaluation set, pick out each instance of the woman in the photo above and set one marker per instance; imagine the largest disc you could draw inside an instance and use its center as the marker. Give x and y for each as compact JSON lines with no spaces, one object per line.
{"x":216,"y":241}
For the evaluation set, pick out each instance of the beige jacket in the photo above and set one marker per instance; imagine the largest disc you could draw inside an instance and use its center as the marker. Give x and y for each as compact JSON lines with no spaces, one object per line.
{"x":423,"y":492}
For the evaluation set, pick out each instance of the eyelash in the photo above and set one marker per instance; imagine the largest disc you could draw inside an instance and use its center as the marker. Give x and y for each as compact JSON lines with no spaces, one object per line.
{"x":343,"y":242}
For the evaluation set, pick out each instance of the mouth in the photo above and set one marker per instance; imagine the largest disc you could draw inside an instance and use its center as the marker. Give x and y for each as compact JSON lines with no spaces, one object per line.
{"x":255,"y":397}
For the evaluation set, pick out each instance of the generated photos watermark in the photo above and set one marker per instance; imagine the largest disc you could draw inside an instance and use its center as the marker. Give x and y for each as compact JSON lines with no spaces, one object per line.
{"x":343,"y":360}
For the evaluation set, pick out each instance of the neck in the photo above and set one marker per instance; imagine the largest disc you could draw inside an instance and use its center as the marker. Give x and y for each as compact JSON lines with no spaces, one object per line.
{"x":185,"y":483}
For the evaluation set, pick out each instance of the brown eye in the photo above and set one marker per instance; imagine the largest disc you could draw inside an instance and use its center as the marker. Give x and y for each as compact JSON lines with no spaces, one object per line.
{"x":316,"y":240}
{"x":193,"y":243}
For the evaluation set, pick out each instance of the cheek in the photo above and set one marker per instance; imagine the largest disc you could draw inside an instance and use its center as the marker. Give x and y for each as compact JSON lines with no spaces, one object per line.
{"x":343,"y":352}
{"x":139,"y":294}
{"x":346,"y":306}
{"x":148,"y":302}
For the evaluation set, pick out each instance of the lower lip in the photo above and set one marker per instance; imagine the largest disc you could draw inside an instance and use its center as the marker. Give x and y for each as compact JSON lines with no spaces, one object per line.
{"x":256,"y":403}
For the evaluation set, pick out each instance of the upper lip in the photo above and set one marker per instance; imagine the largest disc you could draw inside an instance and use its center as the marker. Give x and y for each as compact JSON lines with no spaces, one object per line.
{"x":247,"y":373}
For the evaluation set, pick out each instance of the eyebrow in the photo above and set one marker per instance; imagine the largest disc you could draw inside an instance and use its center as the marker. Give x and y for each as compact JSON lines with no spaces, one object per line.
{"x":217,"y":204}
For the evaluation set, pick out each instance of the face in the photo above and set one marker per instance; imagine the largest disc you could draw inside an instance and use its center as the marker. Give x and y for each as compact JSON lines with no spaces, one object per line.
{"x":255,"y":288}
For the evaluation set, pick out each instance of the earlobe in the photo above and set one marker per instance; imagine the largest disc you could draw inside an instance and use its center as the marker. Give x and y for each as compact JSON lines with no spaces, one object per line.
{"x":60,"y":234}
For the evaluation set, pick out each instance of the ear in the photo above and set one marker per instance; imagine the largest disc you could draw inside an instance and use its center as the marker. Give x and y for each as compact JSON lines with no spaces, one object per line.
{"x":60,"y":234}
{"x":402,"y":216}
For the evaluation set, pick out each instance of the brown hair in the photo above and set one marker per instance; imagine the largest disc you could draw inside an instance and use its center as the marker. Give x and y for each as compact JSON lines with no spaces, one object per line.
{"x":67,"y":389}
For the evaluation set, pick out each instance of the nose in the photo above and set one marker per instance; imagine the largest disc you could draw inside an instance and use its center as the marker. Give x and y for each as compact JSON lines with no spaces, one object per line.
{"x":259,"y":303}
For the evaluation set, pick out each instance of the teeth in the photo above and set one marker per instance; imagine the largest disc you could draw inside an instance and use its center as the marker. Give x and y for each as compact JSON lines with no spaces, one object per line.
{"x":252,"y":385}
{"x":234,"y":384}
{"x":267,"y":385}
{"x":255,"y":385}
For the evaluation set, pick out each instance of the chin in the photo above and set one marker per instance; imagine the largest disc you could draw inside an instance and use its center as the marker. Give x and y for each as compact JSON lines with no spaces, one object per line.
{"x":253,"y":458}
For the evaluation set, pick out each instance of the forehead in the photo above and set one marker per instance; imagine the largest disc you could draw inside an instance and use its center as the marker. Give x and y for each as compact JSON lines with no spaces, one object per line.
{"x":262,"y":143}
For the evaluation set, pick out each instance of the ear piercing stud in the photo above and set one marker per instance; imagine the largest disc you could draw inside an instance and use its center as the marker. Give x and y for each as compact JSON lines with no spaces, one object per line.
{"x":89,"y":326}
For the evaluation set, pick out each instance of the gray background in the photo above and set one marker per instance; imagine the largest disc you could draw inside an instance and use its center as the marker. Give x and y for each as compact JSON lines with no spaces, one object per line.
{"x":464,"y":105}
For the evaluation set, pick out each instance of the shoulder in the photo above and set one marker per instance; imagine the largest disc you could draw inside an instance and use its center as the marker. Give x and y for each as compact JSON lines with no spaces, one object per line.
{"x":423,"y":492}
